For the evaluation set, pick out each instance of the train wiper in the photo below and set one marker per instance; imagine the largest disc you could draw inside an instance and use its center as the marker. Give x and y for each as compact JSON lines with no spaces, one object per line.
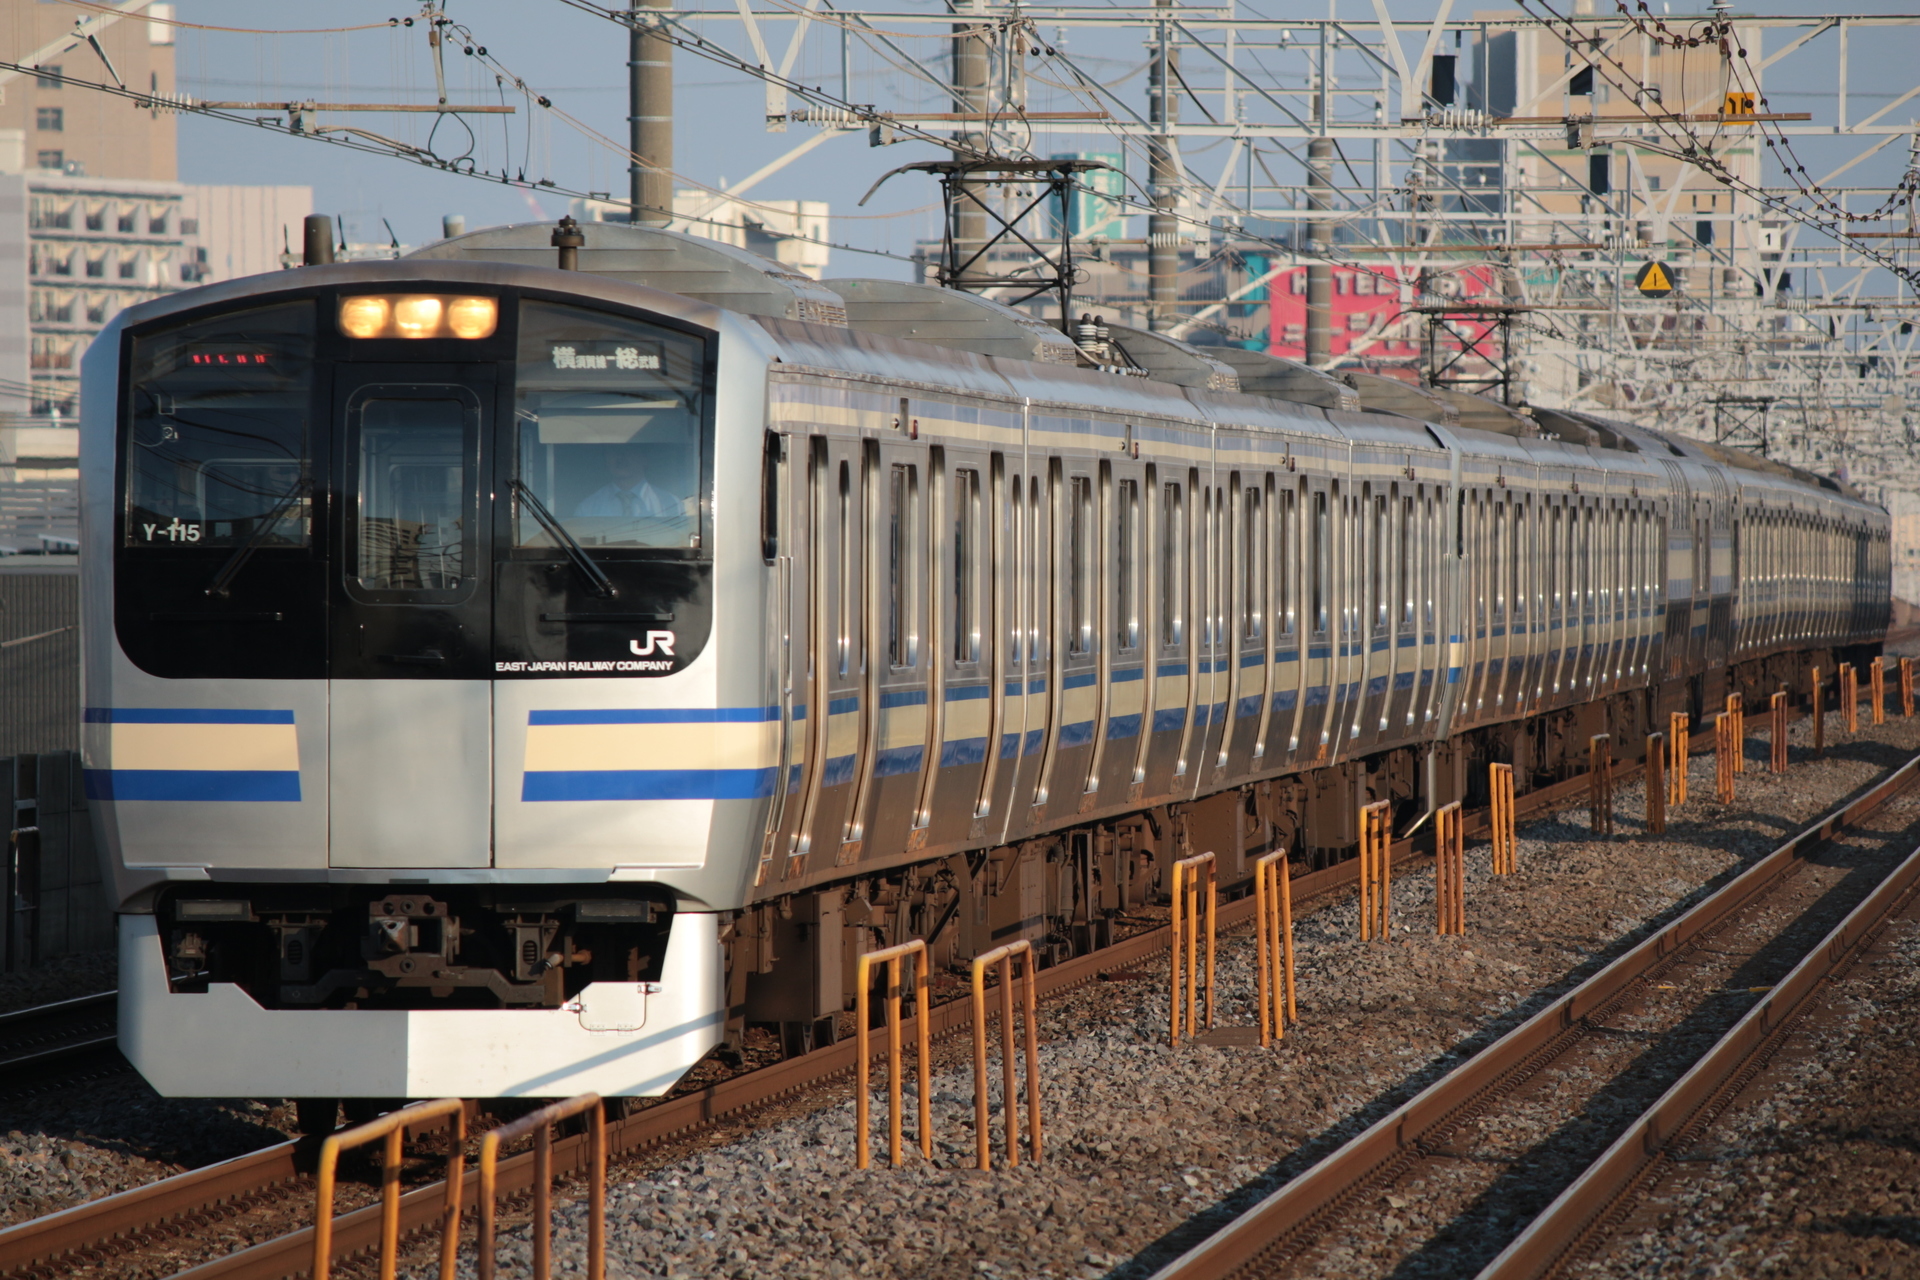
{"x":222,"y":583}
{"x":602,"y":585}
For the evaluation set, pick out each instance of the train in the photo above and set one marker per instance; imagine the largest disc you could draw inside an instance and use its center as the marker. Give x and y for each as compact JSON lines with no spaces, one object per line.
{"x":511,"y":672}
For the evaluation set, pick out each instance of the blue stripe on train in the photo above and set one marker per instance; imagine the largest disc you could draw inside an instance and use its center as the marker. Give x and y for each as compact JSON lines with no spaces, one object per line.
{"x":194,"y":784}
{"x":648,"y":784}
{"x":184,"y":715}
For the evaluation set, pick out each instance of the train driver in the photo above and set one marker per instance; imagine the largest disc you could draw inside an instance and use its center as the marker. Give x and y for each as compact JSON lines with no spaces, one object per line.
{"x":629,"y":491}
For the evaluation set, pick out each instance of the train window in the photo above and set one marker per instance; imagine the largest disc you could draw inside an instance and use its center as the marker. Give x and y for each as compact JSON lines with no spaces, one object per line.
{"x":966,"y":566}
{"x":903,"y":494}
{"x":1287,"y":546}
{"x":415,"y":454}
{"x":772,"y":474}
{"x":1478,"y":532}
{"x":1080,"y":562}
{"x":1516,"y":578}
{"x":1039,"y":620}
{"x":847,"y":583}
{"x":1430,"y":546}
{"x":610,"y":416}
{"x":1127,"y":571}
{"x":1502,"y":554}
{"x":218,"y":438}
{"x":1173,"y":555}
{"x":1404,"y":563}
{"x":1553,"y":563}
{"x":1253,"y":564}
{"x":1317,"y":566}
{"x":1377,"y":561}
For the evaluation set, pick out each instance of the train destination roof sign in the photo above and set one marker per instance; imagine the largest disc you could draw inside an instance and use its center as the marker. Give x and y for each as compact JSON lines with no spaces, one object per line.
{"x":1655,"y":280}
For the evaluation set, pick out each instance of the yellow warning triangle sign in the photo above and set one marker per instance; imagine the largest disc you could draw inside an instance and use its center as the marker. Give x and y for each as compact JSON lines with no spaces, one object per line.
{"x":1654,"y":280}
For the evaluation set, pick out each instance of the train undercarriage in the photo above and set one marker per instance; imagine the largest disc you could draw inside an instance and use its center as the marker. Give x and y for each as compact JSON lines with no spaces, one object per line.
{"x":791,"y":962}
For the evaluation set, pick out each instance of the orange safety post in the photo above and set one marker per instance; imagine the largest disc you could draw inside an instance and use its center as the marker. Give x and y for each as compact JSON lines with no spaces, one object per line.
{"x":1656,"y":783}
{"x":1906,"y":687}
{"x":392,"y":1127}
{"x":1877,"y":671}
{"x":1500,"y":818}
{"x":1376,"y":876}
{"x":1738,"y":711}
{"x":1450,"y":869}
{"x":1680,"y":749}
{"x":1723,"y":757}
{"x":1600,"y":784}
{"x":1186,"y":934}
{"x":1002,"y":959}
{"x":1850,"y":695}
{"x":540,"y":1124}
{"x":1273,"y":911}
{"x":1819,"y":716}
{"x":894,"y":958}
{"x":1777,"y":706}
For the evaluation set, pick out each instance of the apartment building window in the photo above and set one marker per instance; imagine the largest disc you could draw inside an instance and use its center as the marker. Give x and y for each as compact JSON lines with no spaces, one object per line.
{"x":50,"y":159}
{"x":97,"y":268}
{"x":46,"y":78}
{"x":129,"y":268}
{"x":157,"y":226}
{"x":49,"y":119}
{"x":127,"y":223}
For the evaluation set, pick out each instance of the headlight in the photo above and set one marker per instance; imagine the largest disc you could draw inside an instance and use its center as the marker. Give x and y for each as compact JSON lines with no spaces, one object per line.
{"x":364,"y":317}
{"x":419,"y":315}
{"x":473,"y":317}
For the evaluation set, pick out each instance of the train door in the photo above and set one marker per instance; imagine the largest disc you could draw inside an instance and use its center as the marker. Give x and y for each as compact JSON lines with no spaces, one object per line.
{"x":1004,"y":656}
{"x":411,"y":712}
{"x":1169,"y":713}
{"x":1252,"y":624}
{"x":1210,"y":662}
{"x":836,"y":607}
{"x":1125,"y":678}
{"x":960,"y":658}
{"x":1278,"y":731}
{"x":1033,"y":671}
{"x":1317,"y":672}
{"x":782,"y":537}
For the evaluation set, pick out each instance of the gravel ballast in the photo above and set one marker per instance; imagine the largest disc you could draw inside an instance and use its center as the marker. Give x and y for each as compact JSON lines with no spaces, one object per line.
{"x":1150,"y":1148}
{"x":1814,"y":1171}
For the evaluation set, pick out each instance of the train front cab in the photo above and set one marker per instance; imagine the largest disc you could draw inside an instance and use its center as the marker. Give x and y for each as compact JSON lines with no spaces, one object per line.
{"x":401,"y":723}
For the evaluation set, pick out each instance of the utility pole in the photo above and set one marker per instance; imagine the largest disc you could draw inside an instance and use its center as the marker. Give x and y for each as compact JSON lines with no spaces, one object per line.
{"x":649,"y":120}
{"x":1319,"y":244}
{"x":970,"y":92}
{"x":1163,"y":183}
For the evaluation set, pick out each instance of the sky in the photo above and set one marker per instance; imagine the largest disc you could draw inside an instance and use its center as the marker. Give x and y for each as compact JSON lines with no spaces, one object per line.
{"x":578,"y":60}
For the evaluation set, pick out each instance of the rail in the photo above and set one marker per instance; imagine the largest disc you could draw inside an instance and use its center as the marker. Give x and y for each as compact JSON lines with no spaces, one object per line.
{"x":1597,"y":1198}
{"x":1242,"y":1247}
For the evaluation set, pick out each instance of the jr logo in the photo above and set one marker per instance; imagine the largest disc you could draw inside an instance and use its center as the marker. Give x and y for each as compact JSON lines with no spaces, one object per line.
{"x":657,"y":641}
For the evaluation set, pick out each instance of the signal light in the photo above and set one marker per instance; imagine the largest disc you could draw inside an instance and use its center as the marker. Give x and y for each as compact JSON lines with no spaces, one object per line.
{"x":418,"y":315}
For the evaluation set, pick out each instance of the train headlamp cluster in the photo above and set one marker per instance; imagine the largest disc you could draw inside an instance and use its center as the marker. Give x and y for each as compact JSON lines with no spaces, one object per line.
{"x":418,"y":315}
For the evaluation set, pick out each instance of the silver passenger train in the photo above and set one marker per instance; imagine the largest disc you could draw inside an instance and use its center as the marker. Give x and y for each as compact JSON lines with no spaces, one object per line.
{"x":508,"y":681}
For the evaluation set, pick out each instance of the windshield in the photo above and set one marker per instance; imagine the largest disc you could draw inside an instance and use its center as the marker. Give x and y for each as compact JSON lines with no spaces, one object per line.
{"x":609,"y":417}
{"x":218,"y":436}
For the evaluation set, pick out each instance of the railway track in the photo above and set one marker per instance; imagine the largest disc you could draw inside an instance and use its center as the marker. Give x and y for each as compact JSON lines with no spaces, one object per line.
{"x":1580,"y":1221}
{"x":1684,"y":1017}
{"x":264,"y":1197}
{"x":51,"y":1046}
